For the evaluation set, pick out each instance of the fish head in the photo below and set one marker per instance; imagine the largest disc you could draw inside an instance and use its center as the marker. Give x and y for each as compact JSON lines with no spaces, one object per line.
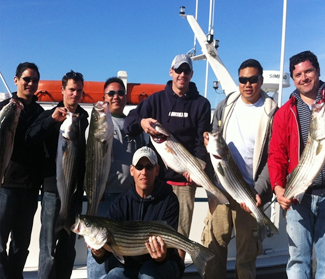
{"x":317,"y":121}
{"x":69,"y":127}
{"x":163,"y":134}
{"x":101,"y":121}
{"x":94,"y":234}
{"x":217,"y":146}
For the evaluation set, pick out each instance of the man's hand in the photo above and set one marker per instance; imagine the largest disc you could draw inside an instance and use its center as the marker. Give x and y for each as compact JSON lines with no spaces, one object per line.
{"x":157,"y":248}
{"x":206,"y":138}
{"x":258,"y":203}
{"x":283,"y":201}
{"x":59,"y":114}
{"x":147,"y":126}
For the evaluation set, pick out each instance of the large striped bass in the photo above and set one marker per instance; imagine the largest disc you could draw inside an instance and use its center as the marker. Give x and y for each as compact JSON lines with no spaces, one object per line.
{"x":98,"y":154}
{"x":313,"y":157}
{"x":176,"y":156}
{"x":67,"y":162}
{"x":128,"y":238}
{"x":9,"y":117}
{"x":233,"y":182}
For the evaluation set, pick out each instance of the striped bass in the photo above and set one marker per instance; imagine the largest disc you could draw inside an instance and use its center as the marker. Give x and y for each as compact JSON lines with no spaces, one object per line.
{"x":128,"y":238}
{"x":180,"y":160}
{"x":313,"y":157}
{"x":98,"y":154}
{"x":67,"y":163}
{"x":9,"y":117}
{"x":233,"y":182}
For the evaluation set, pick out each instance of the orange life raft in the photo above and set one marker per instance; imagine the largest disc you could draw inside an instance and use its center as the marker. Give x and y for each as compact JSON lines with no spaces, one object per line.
{"x":50,"y":91}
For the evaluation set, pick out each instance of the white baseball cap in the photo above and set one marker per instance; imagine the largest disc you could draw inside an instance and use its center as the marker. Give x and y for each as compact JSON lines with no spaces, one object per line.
{"x":181,"y":59}
{"x":147,"y":152}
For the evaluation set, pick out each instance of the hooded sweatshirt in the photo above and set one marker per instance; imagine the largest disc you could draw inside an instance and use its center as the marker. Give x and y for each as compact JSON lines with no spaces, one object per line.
{"x":186,"y":118}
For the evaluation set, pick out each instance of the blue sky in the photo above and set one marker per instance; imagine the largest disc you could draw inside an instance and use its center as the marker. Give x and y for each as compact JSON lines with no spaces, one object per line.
{"x":100,"y":37}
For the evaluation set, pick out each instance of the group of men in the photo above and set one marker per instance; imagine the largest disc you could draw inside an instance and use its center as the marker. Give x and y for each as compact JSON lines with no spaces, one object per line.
{"x":265,"y":142}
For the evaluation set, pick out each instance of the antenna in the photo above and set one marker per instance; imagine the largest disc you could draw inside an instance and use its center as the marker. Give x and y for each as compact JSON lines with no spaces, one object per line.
{"x":4,"y":82}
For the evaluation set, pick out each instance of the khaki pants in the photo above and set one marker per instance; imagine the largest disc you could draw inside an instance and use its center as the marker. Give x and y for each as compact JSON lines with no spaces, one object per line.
{"x":216,"y":236}
{"x":186,"y":197}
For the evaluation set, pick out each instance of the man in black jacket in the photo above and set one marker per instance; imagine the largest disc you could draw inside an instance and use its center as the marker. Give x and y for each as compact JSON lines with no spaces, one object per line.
{"x":148,"y":199}
{"x":22,"y":179}
{"x":57,"y":251}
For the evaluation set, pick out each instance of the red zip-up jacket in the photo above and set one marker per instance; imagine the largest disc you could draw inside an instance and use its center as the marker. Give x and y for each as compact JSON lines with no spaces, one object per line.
{"x":284,"y":151}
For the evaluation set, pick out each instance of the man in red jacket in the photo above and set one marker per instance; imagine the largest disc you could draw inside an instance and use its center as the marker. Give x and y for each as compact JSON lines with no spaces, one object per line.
{"x":305,"y":220}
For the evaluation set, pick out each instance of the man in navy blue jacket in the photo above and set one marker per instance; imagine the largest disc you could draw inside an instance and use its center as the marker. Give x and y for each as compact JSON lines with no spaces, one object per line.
{"x":148,"y":199}
{"x":184,"y":113}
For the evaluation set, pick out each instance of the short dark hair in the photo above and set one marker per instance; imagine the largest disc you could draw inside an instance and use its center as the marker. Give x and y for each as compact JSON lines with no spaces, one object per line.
{"x":302,"y":57}
{"x":72,"y":75}
{"x":251,"y":63}
{"x":24,"y":66}
{"x":114,"y":79}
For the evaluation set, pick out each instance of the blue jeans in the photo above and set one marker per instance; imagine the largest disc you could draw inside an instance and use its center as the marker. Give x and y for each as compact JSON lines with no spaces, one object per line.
{"x":95,"y":270}
{"x":17,"y":210}
{"x":57,"y":251}
{"x":149,"y":270}
{"x":305,"y":227}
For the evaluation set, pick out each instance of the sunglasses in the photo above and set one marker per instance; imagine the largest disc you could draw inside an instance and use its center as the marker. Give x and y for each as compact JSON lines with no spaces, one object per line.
{"x":186,"y":71}
{"x":73,"y":74}
{"x":111,"y":93}
{"x":29,"y":79}
{"x":147,"y":167}
{"x":251,"y":80}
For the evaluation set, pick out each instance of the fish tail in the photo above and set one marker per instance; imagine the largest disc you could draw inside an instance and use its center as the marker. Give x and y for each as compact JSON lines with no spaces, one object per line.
{"x":200,"y":255}
{"x":213,"y":201}
{"x":63,"y":223}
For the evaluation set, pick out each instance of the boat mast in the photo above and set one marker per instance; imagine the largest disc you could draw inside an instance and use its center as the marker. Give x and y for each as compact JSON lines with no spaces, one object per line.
{"x":284,"y":20}
{"x":6,"y":85}
{"x":209,"y":50}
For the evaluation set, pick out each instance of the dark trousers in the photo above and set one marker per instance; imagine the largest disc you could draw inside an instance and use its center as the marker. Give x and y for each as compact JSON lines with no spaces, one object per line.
{"x":17,"y":210}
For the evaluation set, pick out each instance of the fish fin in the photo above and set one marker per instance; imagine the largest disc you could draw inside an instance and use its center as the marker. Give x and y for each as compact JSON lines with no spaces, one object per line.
{"x":107,"y":246}
{"x":220,"y":170}
{"x":298,"y":197}
{"x":169,"y":148}
{"x":200,"y":255}
{"x":319,"y":148}
{"x":120,"y":258}
{"x":165,"y":163}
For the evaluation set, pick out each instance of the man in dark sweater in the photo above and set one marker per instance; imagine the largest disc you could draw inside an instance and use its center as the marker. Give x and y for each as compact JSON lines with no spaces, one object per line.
{"x":22,"y":178}
{"x":148,"y":199}
{"x":57,"y":251}
{"x":184,"y":113}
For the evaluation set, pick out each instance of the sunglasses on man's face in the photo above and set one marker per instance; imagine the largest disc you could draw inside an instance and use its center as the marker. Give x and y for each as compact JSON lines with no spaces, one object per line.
{"x":29,"y":79}
{"x":147,"y":167}
{"x":73,"y":74}
{"x":186,"y":71}
{"x":112,"y":93}
{"x":251,"y":80}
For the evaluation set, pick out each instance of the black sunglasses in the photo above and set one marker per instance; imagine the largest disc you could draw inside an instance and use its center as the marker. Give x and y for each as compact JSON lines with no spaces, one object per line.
{"x":73,"y":74}
{"x":29,"y":79}
{"x":111,"y":93}
{"x":186,"y":71}
{"x":251,"y":80}
{"x":147,"y":167}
